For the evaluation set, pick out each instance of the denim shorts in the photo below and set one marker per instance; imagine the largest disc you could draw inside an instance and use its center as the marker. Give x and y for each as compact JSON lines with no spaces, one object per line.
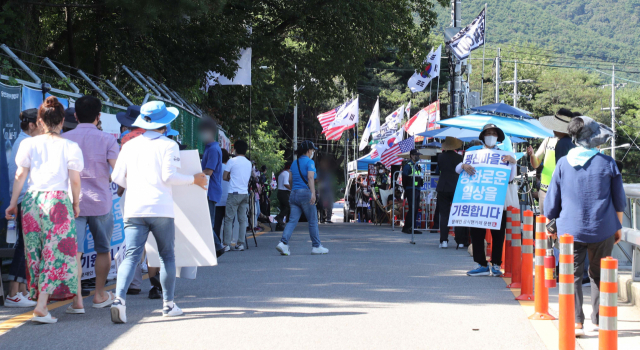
{"x":101,"y":228}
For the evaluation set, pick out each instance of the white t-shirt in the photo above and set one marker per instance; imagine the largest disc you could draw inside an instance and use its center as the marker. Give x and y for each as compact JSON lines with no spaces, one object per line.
{"x":239,"y":169}
{"x":49,"y":161}
{"x":283,"y":179}
{"x":148,"y":168}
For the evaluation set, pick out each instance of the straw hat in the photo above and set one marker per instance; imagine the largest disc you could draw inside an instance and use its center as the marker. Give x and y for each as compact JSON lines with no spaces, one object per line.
{"x":558,"y":122}
{"x":451,"y":143}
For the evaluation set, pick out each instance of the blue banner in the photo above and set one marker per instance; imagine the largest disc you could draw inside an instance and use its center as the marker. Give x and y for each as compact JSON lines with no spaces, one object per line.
{"x":479,"y":199}
{"x":9,"y":130}
{"x":32,"y":98}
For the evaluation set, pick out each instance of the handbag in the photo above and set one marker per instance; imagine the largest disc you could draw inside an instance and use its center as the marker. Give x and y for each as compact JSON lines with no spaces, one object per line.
{"x":304,"y":179}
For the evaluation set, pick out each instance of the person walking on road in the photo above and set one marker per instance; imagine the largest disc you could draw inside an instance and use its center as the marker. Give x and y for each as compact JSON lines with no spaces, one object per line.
{"x":100,"y":151}
{"x":490,"y":135}
{"x":237,"y":173}
{"x":303,"y":200}
{"x":52,"y":164}
{"x":447,"y":161}
{"x":284,"y":191}
{"x":587,"y":199}
{"x":147,"y":168}
{"x":412,"y":190}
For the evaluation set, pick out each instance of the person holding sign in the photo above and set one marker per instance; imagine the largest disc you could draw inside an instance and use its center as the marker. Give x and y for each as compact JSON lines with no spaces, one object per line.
{"x":485,"y":189}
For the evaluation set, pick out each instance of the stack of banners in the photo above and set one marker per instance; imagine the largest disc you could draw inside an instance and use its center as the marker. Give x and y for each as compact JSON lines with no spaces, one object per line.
{"x":117,"y":240}
{"x":32,"y":98}
{"x":224,"y":141}
{"x":469,"y":38}
{"x":426,"y":119}
{"x":479,"y":199}
{"x":431,"y":70}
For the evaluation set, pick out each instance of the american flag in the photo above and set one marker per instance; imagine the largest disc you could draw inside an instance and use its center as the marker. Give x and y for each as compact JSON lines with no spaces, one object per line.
{"x":390,"y":156}
{"x":326,"y":119}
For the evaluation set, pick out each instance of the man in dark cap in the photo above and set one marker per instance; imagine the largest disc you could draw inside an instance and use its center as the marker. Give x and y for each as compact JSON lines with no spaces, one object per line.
{"x":412,"y":189}
{"x":70,"y":121}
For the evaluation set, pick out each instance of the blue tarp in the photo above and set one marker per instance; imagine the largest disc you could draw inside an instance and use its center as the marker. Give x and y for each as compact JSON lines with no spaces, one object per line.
{"x":510,"y":126}
{"x":363,"y":162}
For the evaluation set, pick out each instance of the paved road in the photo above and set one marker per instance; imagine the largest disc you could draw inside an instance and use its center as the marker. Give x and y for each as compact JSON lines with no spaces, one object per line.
{"x":373,"y":291}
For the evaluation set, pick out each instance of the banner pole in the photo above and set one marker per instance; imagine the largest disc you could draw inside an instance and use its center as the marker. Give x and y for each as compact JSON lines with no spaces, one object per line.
{"x":430,"y":89}
{"x":484,"y":43}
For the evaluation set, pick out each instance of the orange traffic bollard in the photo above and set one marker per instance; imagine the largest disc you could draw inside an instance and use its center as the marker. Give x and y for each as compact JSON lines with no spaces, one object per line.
{"x":566,"y":295}
{"x":542,"y":294}
{"x":608,"y":335}
{"x":526,"y":291}
{"x":516,"y":249}
{"x":507,"y":246}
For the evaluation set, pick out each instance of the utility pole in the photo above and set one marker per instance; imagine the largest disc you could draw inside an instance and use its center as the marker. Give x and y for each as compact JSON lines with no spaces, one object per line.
{"x":456,"y":87}
{"x":613,"y":108}
{"x":515,"y":82}
{"x":497,"y":82}
{"x":295,"y":124}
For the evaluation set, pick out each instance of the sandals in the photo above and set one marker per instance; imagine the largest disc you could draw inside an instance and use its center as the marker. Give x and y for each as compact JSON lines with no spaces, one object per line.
{"x":105,"y":303}
{"x":71,"y":310}
{"x":44,"y":319}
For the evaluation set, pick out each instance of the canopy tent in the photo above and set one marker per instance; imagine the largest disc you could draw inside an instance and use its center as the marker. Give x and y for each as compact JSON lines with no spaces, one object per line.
{"x":362,"y":163}
{"x":465,"y":135}
{"x":510,"y":126}
{"x":502,"y":108}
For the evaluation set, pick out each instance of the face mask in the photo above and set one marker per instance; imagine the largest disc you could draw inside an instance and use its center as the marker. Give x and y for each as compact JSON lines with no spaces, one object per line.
{"x":381,"y":171}
{"x":490,"y":141}
{"x":312,"y":154}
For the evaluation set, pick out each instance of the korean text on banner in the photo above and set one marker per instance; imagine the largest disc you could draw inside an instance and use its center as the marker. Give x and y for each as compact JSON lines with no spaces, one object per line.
{"x":469,"y":38}
{"x":117,"y":240}
{"x":479,"y":199}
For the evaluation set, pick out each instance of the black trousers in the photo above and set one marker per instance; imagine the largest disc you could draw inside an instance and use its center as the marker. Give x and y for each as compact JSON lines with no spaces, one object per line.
{"x":443,"y":206}
{"x":596,"y":252}
{"x":497,"y":236}
{"x":18,"y":268}
{"x":285,"y":209}
{"x":410,"y":220}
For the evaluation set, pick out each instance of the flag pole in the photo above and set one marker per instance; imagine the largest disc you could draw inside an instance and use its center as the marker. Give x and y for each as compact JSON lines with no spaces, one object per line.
{"x":484,"y":43}
{"x":430,"y":90}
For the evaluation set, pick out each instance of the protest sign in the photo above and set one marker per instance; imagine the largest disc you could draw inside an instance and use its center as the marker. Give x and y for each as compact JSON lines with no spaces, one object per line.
{"x":479,"y":199}
{"x":117,"y":240}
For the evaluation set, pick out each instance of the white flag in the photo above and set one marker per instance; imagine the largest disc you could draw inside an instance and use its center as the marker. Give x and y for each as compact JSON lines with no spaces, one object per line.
{"x":469,"y":38}
{"x":391,"y":124}
{"x":242,"y":77}
{"x":348,"y":116}
{"x":386,"y":143}
{"x":420,"y":80}
{"x":372,"y":126}
{"x":407,"y":110}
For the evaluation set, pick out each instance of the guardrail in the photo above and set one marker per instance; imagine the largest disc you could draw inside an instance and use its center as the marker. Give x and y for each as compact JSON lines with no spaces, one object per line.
{"x":630,"y":244}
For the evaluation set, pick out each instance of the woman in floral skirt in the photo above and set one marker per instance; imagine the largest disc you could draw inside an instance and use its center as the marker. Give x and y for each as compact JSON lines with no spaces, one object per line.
{"x":51,"y":163}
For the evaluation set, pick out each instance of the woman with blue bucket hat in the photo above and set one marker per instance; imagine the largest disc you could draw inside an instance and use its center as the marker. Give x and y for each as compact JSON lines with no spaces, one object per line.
{"x":148,"y":168}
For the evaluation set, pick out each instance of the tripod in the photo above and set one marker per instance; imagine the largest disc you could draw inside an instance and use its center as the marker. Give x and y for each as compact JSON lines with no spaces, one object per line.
{"x":525,"y":190}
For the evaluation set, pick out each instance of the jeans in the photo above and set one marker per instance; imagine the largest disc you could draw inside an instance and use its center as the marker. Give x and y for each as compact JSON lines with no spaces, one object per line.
{"x":497,"y":239}
{"x":299,"y":202}
{"x":136,"y":231}
{"x":285,"y":209}
{"x":212,"y":213}
{"x":101,"y":228}
{"x":18,"y":268}
{"x":237,"y":205}
{"x":596,"y":251}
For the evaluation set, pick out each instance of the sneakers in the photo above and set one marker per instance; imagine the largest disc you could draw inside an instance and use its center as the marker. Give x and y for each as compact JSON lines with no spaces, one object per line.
{"x":171,"y":311}
{"x":319,"y":250}
{"x":444,"y":245}
{"x":155,"y":293}
{"x":227,"y":248}
{"x":460,"y":246}
{"x":283,"y":249}
{"x":118,"y":312}
{"x":239,"y":247}
{"x":19,"y":300}
{"x":479,"y":270}
{"x":495,"y":270}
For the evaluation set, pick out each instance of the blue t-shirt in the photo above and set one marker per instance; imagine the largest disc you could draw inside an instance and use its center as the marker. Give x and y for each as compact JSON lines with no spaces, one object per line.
{"x":306,"y":165}
{"x":212,"y":159}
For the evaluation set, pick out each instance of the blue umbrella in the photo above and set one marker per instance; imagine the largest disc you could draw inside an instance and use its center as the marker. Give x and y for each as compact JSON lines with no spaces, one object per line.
{"x":458,"y":133}
{"x":509,"y":126}
{"x":502,"y":108}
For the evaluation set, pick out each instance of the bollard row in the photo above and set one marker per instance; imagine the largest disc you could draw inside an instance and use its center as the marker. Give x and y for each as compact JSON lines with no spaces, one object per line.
{"x":526,"y":274}
{"x":516,"y":251}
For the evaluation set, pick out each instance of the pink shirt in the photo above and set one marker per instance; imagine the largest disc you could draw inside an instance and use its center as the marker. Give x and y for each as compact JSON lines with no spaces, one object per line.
{"x":97,"y":147}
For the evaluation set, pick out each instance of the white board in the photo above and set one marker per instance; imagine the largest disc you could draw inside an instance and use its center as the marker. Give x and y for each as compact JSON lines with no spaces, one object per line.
{"x":194,"y":235}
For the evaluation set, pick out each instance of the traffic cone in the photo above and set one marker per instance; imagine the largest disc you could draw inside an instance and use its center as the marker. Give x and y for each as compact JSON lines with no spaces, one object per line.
{"x":542,"y":294}
{"x":516,"y":249}
{"x":526,"y":274}
{"x":608,"y":334}
{"x":506,"y":252}
{"x":566,"y":295}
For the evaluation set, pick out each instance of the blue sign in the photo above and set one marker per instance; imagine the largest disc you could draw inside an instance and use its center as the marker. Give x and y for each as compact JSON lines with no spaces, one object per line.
{"x":479,"y":198}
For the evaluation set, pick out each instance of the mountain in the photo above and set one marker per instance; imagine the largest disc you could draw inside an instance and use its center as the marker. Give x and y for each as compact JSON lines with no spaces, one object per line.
{"x":598,"y":33}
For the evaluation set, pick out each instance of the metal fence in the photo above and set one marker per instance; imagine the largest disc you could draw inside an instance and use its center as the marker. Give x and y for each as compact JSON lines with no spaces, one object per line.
{"x":630,"y":244}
